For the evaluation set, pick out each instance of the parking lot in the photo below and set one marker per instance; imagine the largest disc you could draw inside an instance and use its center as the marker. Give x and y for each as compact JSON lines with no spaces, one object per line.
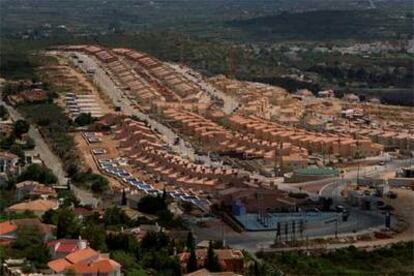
{"x":315,"y":223}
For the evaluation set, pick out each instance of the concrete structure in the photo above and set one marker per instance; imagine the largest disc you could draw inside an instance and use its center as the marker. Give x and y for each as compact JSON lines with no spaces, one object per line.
{"x":147,"y":152}
{"x":34,"y":189}
{"x":63,"y":247}
{"x":216,"y":138}
{"x":8,"y":162}
{"x":310,"y":174}
{"x":230,"y":259}
{"x":323,"y":143}
{"x":255,"y":200}
{"x":78,"y":104}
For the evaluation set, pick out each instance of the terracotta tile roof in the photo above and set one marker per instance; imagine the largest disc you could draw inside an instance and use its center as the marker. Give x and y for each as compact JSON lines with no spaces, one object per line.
{"x":64,"y":245}
{"x":67,"y":248}
{"x":7,"y":227}
{"x":45,"y":229}
{"x":105,"y":266}
{"x":84,"y":268}
{"x":35,"y":205}
{"x":81,"y":255}
{"x":59,"y":265}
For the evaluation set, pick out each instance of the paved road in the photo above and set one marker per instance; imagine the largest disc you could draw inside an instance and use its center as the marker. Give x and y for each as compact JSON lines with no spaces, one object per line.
{"x":359,"y":221}
{"x":104,"y":79}
{"x":49,"y":158}
{"x":230,"y":103}
{"x":334,"y":186}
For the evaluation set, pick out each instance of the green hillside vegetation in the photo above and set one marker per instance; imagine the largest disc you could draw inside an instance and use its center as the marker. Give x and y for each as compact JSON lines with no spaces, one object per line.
{"x":328,"y":25}
{"x":396,"y":260}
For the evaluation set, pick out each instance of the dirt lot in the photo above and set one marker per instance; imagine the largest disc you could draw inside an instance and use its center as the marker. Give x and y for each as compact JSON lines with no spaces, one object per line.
{"x":87,"y":157}
{"x":67,"y":79}
{"x":404,"y":206}
{"x":112,"y":152}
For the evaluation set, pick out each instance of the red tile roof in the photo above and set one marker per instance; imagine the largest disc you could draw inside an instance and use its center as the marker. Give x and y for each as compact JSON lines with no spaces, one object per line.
{"x":67,"y":248}
{"x":59,"y":265}
{"x":82,"y":255}
{"x":103,"y":266}
{"x":7,"y":227}
{"x":64,"y":245}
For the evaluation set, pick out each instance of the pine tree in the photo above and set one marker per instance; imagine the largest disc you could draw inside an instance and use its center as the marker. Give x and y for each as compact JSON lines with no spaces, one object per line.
{"x":212,"y":262}
{"x":124,"y":198}
{"x":192,"y":261}
{"x":190,"y":241}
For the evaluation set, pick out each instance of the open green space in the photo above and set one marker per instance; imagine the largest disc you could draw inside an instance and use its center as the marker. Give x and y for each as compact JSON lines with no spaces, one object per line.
{"x":396,"y":260}
{"x":328,"y":25}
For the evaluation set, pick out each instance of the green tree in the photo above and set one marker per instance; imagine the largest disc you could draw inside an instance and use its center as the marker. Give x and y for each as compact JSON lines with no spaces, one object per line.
{"x":154,"y":241}
{"x":124,"y":198}
{"x":95,"y":182}
{"x":29,"y":244}
{"x":96,"y":235}
{"x":84,"y":119}
{"x":115,"y":216}
{"x":20,"y":127}
{"x":69,"y":199}
{"x":4,"y":114}
{"x":128,"y":262}
{"x":192,"y":261}
{"x":30,"y":144}
{"x":38,"y":173}
{"x":190,"y":243}
{"x":212,"y":263}
{"x":152,"y":204}
{"x":50,"y":217}
{"x":257,"y":269}
{"x":161,"y":262}
{"x":18,"y":150}
{"x":67,"y":224}
{"x":123,"y":242}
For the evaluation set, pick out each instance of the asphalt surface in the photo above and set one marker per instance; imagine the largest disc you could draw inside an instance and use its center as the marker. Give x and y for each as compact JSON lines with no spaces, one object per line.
{"x":104,"y":79}
{"x":358,"y":222}
{"x":48,"y":157}
{"x":229,"y":103}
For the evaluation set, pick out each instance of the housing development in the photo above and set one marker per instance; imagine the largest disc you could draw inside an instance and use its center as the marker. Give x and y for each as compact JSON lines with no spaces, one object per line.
{"x":115,"y":161}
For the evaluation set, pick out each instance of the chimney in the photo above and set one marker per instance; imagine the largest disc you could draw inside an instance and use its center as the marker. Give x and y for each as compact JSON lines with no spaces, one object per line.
{"x":81,"y":243}
{"x":56,"y":246}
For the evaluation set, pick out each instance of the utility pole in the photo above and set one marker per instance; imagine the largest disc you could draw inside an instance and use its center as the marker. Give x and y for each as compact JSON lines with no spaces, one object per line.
{"x":223,"y":236}
{"x":278,"y":234}
{"x":301,"y":228}
{"x":286,"y":232}
{"x":336,"y":226}
{"x":279,"y":159}
{"x":294,"y":230}
{"x":358,"y":156}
